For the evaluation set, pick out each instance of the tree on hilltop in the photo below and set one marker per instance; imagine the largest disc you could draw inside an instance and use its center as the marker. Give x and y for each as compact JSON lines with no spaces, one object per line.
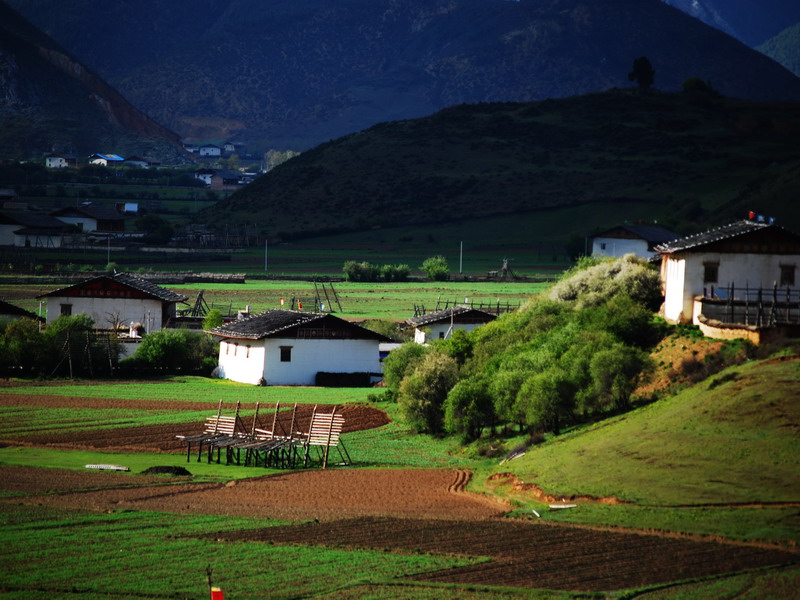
{"x":642,"y":73}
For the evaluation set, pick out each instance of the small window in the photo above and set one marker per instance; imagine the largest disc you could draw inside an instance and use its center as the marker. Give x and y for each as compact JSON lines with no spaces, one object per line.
{"x":235,"y":349}
{"x":602,"y":245}
{"x":66,"y":310}
{"x":247,"y":351}
{"x":787,"y":275}
{"x":710,"y":272}
{"x":286,"y":354}
{"x":227,"y":347}
{"x":441,"y":335}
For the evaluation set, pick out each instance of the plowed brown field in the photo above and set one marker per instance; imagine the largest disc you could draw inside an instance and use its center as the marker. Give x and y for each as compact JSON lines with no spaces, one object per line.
{"x":400,"y":510}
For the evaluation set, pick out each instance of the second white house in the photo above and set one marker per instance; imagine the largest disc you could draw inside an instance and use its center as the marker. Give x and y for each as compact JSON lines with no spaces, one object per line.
{"x":287,"y":347}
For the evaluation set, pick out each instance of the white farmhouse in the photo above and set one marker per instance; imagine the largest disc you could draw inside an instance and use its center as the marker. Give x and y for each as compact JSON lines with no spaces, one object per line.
{"x":440,"y":324}
{"x":106,"y":160}
{"x":114,"y":300}
{"x":28,"y":229}
{"x":745,"y":255}
{"x":631,"y":239}
{"x":59,"y":161}
{"x":210,"y":150}
{"x":287,"y":347}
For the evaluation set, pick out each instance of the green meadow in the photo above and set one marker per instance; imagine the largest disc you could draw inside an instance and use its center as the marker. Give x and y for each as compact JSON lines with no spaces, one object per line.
{"x":718,"y":459}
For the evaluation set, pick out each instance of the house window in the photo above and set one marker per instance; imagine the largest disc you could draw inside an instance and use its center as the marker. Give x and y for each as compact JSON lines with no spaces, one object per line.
{"x":235,"y":349}
{"x":286,"y":354}
{"x":66,"y":310}
{"x":710,"y":272}
{"x":787,"y":275}
{"x":602,"y":245}
{"x":227,"y":347}
{"x":247,"y":351}
{"x":441,"y":335}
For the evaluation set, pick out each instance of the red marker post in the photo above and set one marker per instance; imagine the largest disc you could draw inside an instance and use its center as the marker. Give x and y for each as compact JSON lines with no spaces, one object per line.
{"x":217,"y":594}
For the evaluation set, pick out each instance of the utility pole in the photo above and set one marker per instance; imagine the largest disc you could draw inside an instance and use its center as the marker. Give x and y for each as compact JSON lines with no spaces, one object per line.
{"x":461,"y":259}
{"x":265,"y":254}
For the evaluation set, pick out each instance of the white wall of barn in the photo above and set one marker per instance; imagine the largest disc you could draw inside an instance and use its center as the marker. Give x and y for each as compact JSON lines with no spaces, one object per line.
{"x":308,"y":357}
{"x":104,"y":310}
{"x":685,"y":277}
{"x":616,"y":247}
{"x":241,"y":360}
{"x":438,"y":331}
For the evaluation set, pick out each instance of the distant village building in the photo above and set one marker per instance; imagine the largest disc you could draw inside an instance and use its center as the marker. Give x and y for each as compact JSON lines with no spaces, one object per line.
{"x":225,"y":180}
{"x":440,"y":324}
{"x":640,"y":240}
{"x":210,"y":150}
{"x":90,"y":217}
{"x":11,"y":312}
{"x":105,"y":160}
{"x":115,"y":300}
{"x":28,"y":229}
{"x":59,"y":161}
{"x":286,"y":347}
{"x":748,"y":257}
{"x":204,"y":175}
{"x":136,"y":161}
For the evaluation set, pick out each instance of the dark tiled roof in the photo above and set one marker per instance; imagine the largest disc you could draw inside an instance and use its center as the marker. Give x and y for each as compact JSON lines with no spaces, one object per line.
{"x":654,"y":234}
{"x":94,"y":211}
{"x":33,"y":220}
{"x":9,"y":309}
{"x":274,"y":323}
{"x":717,"y":234}
{"x":132,"y":281}
{"x":445,"y":315}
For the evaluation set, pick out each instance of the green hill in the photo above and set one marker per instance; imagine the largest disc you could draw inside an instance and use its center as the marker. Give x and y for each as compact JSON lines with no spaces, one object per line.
{"x":728,"y":440}
{"x":685,"y":159}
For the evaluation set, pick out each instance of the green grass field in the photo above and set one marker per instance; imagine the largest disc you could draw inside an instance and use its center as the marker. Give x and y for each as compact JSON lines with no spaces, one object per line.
{"x":717,"y":459}
{"x":359,"y":301}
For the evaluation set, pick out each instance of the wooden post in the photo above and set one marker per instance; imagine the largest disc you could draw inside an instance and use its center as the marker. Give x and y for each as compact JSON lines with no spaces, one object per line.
{"x":328,"y":441}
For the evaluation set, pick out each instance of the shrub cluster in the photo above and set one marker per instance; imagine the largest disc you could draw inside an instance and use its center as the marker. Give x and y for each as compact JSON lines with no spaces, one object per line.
{"x":364,"y":271}
{"x":66,"y":347}
{"x":173,"y":351}
{"x":573,"y":356}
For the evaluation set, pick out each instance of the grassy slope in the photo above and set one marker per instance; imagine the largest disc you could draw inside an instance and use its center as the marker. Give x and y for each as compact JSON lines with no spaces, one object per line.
{"x":715,"y":459}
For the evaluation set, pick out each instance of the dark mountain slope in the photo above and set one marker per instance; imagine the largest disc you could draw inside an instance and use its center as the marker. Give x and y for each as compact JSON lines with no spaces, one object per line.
{"x":685,"y":156}
{"x":49,"y":100}
{"x":281,"y":74}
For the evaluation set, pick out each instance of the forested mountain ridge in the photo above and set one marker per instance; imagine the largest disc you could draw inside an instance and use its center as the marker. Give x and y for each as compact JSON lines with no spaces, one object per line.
{"x":50,"y":101}
{"x":292,"y":75}
{"x":685,"y":158}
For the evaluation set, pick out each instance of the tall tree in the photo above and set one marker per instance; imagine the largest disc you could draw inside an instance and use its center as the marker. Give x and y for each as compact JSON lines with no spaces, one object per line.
{"x":642,"y":73}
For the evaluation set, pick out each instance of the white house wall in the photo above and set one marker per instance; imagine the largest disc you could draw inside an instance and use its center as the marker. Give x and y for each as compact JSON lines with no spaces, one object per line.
{"x":308,"y":357}
{"x":238,"y":363}
{"x":437,"y":331}
{"x":617,"y":247}
{"x":685,"y":280}
{"x":103,"y":310}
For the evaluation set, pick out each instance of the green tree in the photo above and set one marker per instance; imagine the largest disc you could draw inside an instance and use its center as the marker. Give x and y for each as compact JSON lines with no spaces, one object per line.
{"x":436,"y":268}
{"x":468,"y":408}
{"x":212,"y":320}
{"x":174,"y":350}
{"x":157,"y":230}
{"x":548,"y":399}
{"x":615,"y":374}
{"x":400,"y":362}
{"x":423,"y":392}
{"x":642,"y":73}
{"x":22,"y":348}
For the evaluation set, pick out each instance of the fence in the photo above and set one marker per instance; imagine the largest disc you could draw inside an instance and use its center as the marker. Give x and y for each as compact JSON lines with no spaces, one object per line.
{"x":495,"y":308}
{"x":752,"y":306}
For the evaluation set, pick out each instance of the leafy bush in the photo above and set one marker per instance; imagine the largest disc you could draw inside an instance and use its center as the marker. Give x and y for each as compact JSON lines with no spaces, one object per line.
{"x":597,"y":284}
{"x":436,"y":268}
{"x":468,"y":408}
{"x":400,"y":362}
{"x":364,"y":271}
{"x":172,"y":351}
{"x":423,"y":392}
